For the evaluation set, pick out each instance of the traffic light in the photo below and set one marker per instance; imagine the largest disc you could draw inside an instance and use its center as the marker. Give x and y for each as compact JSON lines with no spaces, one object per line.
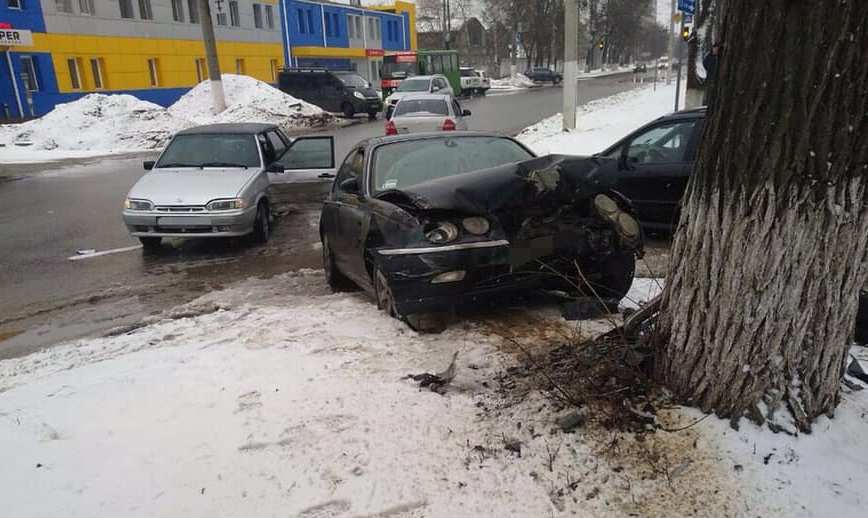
{"x":685,"y":32}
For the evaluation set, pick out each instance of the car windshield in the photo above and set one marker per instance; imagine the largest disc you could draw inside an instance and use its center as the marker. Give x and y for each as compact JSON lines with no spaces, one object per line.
{"x":467,"y":72}
{"x":211,"y":150}
{"x":422,"y":107}
{"x":404,"y":164}
{"x":414,"y":85}
{"x":353,"y":80}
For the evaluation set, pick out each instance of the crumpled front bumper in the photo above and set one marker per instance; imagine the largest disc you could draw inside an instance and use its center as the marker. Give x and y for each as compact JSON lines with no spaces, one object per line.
{"x":412,"y":274}
{"x":202,"y":224}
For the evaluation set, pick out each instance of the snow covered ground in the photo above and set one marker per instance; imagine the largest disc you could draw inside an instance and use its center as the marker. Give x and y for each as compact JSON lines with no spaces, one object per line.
{"x":99,"y":124}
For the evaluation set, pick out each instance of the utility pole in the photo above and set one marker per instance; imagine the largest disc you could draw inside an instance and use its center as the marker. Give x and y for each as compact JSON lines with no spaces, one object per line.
{"x":571,"y":62}
{"x":671,"y":44}
{"x":210,"y":41}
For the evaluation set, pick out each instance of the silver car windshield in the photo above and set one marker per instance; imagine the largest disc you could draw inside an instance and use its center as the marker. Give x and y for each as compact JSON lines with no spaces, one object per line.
{"x":414,"y":85}
{"x":404,"y":164}
{"x":422,"y":107}
{"x":211,"y":150}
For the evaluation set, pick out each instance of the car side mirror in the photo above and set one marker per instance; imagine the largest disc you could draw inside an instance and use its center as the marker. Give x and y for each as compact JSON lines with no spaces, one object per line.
{"x":350,"y":185}
{"x":275,"y":168}
{"x":148,"y":164}
{"x":465,"y":113}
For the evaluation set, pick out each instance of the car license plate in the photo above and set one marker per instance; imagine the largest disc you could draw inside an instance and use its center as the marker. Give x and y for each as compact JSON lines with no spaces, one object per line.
{"x":183,"y":221}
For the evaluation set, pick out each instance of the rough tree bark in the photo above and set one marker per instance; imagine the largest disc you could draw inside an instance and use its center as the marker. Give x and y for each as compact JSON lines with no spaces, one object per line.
{"x":770,"y":252}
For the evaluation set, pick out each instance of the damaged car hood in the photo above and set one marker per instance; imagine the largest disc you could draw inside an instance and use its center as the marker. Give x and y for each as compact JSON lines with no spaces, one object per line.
{"x":550,"y":180}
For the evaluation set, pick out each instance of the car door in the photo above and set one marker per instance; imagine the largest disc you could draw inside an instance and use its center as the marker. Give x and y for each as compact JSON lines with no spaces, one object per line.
{"x":346,"y":215}
{"x":304,"y":159}
{"x":460,"y":120}
{"x":654,"y":166}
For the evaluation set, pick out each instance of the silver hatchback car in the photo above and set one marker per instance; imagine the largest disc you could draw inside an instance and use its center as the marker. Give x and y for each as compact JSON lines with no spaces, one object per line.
{"x":213,"y":181}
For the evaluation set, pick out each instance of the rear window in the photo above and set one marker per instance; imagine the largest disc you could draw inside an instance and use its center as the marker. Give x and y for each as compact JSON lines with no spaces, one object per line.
{"x":404,"y":164}
{"x":467,"y":72}
{"x":422,"y":107}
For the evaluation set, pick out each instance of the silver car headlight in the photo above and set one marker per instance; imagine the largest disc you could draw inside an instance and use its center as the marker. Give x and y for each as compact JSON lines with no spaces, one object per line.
{"x":133,"y":204}
{"x":476,"y":226}
{"x":626,"y":224}
{"x":442,"y":233}
{"x":359,"y":95}
{"x":230,"y":204}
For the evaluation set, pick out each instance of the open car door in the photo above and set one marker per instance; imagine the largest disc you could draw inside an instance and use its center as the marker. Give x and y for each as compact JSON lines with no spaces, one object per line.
{"x":307,"y":159}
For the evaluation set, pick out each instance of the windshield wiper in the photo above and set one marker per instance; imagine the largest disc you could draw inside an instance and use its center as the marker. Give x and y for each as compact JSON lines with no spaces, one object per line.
{"x":176,"y":164}
{"x":221,"y":164}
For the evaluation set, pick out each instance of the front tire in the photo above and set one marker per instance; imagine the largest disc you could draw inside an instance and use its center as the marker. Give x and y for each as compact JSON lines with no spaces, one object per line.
{"x":348,"y":110}
{"x":611,"y":278}
{"x":372,"y":116}
{"x":419,"y":322}
{"x":334,"y":278}
{"x":262,"y":225}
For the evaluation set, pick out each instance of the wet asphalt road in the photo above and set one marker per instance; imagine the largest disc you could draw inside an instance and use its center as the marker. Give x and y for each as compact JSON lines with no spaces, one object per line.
{"x":49,"y":211}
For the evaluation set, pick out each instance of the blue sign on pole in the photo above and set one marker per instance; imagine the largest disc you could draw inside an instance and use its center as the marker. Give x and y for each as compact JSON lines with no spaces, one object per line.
{"x":687,"y":6}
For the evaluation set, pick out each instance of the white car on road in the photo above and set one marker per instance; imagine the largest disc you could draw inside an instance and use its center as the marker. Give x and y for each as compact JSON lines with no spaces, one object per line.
{"x":213,"y":181}
{"x":415,"y":85}
{"x":423,"y":113}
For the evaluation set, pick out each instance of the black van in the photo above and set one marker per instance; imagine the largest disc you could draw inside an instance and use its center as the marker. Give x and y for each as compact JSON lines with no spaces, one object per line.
{"x":332,"y":90}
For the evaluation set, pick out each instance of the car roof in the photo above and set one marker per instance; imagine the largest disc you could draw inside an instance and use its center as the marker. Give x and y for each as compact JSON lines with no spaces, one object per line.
{"x":426,"y":78}
{"x":415,"y":96}
{"x":227,"y":128}
{"x":411,"y":137}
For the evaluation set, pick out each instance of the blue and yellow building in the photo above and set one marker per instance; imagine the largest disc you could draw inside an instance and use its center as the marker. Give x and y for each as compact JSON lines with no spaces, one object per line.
{"x":54,"y":51}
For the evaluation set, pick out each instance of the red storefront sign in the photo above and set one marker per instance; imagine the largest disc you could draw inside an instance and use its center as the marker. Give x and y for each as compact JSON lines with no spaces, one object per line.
{"x":375,"y":53}
{"x":5,"y":25}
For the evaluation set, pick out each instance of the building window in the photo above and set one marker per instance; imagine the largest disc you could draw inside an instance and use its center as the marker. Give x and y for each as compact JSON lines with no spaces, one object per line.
{"x":222,"y":19}
{"x":126,"y":8}
{"x":351,"y":27}
{"x":239,"y":66}
{"x":193,"y":10}
{"x":257,"y":16}
{"x":96,"y":66}
{"x":154,"y":72}
{"x":74,"y":76}
{"x":370,"y":27}
{"x":310,"y":21}
{"x":145,"y":10}
{"x":274,"y":70}
{"x":234,"y":18}
{"x":269,"y":16}
{"x":28,"y":68}
{"x":64,"y":6}
{"x":377,"y":28}
{"x":328,"y":24}
{"x":359,"y":33}
{"x":301,"y":26}
{"x":14,"y":4}
{"x":178,"y":10}
{"x":337,"y":21}
{"x":201,"y":70}
{"x":86,"y":7}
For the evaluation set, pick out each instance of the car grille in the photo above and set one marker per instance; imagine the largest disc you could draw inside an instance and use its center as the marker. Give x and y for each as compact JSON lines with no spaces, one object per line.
{"x":179,"y":209}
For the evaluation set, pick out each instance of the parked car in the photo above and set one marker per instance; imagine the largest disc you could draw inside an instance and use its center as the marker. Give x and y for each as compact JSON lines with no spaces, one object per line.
{"x":640,"y":68}
{"x":653,"y":163}
{"x":470,"y":81}
{"x":484,"y":80}
{"x":213,"y":181}
{"x":415,"y":85}
{"x":343,"y":92}
{"x":428,"y":222}
{"x":544,"y":75}
{"x":422,"y":113}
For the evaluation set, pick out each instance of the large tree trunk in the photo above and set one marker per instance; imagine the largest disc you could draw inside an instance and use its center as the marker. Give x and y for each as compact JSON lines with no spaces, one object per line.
{"x":770,"y":252}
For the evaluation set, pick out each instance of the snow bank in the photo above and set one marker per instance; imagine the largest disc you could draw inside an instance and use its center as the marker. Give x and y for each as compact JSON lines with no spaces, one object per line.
{"x":95,"y":124}
{"x":601,"y":123}
{"x":516,"y":82}
{"x":247,"y":100}
{"x":99,"y":124}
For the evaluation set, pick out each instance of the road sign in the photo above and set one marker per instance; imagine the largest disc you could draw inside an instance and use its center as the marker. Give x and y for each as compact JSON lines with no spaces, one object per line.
{"x":687,"y":6}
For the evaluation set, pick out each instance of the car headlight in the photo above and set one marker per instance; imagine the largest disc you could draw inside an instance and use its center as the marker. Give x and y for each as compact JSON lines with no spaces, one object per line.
{"x":626,"y":225}
{"x":476,"y":226}
{"x":359,"y":95}
{"x":131,"y":204}
{"x":441,"y":233}
{"x":230,"y":204}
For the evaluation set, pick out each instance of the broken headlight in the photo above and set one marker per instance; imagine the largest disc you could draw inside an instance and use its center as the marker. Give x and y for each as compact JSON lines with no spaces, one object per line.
{"x":476,"y":226}
{"x":626,"y":225}
{"x":441,"y":233}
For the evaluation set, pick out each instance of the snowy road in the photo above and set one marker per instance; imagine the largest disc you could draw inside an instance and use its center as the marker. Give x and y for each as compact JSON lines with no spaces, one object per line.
{"x":75,"y":205}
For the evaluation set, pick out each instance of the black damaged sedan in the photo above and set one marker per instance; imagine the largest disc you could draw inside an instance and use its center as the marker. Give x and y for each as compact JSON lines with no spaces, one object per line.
{"x":430,"y":222}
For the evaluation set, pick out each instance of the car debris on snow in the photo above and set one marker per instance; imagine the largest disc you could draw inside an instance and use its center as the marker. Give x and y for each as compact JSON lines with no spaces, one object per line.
{"x":436,"y":382}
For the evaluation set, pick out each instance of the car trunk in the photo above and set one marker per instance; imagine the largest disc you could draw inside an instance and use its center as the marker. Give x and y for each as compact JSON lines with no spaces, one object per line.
{"x":419,"y":124}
